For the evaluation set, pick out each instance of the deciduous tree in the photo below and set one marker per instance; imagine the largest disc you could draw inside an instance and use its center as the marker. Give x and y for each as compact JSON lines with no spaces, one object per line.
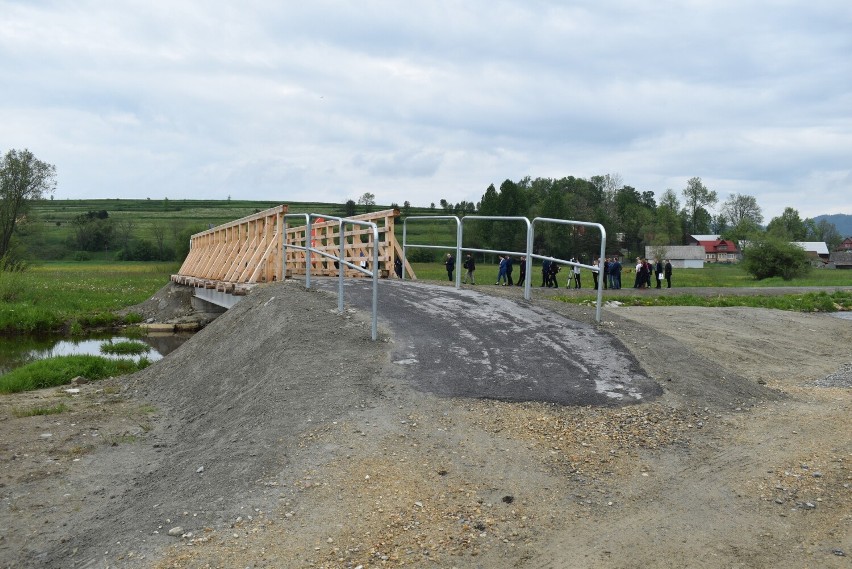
{"x":739,"y":207}
{"x":23,"y":178}
{"x":368,"y":200}
{"x":698,"y":198}
{"x":788,"y":226}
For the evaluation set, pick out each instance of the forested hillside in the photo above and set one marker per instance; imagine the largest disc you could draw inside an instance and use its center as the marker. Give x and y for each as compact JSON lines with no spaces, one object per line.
{"x":160,"y":229}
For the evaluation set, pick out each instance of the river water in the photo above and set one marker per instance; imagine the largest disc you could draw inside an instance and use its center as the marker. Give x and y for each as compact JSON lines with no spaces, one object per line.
{"x":18,"y":351}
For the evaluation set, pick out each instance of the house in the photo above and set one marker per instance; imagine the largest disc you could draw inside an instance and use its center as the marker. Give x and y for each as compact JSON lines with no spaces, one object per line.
{"x":845,"y":245}
{"x":717,"y":250}
{"x":680,"y":256}
{"x":816,"y":250}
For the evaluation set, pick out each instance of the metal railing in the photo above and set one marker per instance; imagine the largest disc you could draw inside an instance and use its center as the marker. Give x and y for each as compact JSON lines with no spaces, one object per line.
{"x":528,"y":253}
{"x":527,"y":289}
{"x":598,"y":269}
{"x":308,"y":248}
{"x":457,"y":248}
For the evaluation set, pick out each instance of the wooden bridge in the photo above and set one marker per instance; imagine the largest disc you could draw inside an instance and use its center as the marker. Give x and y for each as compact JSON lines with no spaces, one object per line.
{"x":232,"y":257}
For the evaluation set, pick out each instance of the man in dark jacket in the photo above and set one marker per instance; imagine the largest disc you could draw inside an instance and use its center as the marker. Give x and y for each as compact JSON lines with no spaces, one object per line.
{"x":470,"y":265}
{"x":667,"y":271}
{"x":658,"y":273}
{"x":451,"y":265}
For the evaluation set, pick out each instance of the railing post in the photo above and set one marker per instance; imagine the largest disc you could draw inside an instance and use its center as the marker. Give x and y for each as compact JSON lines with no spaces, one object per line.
{"x":308,"y":245}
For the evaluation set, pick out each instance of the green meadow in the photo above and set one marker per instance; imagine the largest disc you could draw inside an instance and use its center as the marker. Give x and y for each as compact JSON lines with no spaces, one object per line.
{"x":74,"y":296}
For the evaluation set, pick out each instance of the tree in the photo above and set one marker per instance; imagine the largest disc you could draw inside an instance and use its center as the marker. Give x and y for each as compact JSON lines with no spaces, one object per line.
{"x":367,"y":200}
{"x":669,"y":226}
{"x":823,"y":230}
{"x":739,"y":208}
{"x":697,"y":196}
{"x":788,"y":226}
{"x":124,"y":228}
{"x":23,"y":178}
{"x":349,"y":208}
{"x":158,"y":230}
{"x":773,"y":256}
{"x":406,"y":207}
{"x":93,"y":231}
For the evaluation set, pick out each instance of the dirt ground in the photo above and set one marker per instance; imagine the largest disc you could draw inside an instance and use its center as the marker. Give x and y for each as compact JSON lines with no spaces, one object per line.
{"x":281,"y":436}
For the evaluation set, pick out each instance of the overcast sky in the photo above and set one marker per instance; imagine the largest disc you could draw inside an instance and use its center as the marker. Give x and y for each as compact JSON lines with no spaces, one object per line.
{"x":422,"y":100}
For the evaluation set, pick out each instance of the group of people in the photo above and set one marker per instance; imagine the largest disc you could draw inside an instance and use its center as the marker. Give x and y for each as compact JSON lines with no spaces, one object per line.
{"x":504,"y":272}
{"x":612,"y":268}
{"x":646,"y":273}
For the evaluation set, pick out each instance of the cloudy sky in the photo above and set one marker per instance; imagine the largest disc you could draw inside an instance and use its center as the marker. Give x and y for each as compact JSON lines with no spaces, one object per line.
{"x":422,"y":100}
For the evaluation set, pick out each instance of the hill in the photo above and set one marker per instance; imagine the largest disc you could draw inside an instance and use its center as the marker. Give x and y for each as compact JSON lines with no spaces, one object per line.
{"x":142,"y":229}
{"x":842,"y":221}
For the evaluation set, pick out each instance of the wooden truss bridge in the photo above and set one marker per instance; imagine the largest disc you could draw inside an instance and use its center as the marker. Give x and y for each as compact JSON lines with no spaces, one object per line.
{"x":232,"y":257}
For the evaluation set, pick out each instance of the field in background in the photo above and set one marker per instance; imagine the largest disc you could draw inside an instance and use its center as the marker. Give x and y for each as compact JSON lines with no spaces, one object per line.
{"x":50,"y":297}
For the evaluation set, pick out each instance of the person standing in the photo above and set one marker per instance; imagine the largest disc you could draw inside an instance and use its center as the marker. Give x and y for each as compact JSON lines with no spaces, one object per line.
{"x":501,"y":271}
{"x":509,"y":270}
{"x":450,"y":263}
{"x":606,"y":277}
{"x":554,"y":269}
{"x":470,"y":265}
{"x":658,"y":270}
{"x":615,"y":268}
{"x":667,"y":271}
{"x":523,"y":268}
{"x":577,"y":284}
{"x":545,"y":273}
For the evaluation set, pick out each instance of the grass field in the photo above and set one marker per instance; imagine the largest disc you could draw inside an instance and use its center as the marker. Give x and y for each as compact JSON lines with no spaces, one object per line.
{"x":53,"y":297}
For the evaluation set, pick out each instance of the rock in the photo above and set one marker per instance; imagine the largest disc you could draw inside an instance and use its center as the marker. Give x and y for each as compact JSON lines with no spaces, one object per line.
{"x":176,"y":531}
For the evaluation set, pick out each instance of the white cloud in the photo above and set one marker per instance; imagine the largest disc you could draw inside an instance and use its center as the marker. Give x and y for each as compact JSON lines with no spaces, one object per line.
{"x":424,"y":100}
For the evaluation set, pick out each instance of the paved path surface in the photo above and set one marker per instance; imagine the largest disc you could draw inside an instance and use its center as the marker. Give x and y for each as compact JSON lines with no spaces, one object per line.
{"x":463,"y":343}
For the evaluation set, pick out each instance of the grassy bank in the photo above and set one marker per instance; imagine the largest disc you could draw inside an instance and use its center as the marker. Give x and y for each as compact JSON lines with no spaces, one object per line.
{"x":54,"y":297}
{"x":62,"y":369}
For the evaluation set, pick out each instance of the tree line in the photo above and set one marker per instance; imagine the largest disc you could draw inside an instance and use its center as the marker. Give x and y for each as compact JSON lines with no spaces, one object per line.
{"x":633,"y":219}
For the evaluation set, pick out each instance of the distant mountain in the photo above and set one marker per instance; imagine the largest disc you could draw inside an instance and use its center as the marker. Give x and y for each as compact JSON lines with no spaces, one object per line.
{"x":842,"y":221}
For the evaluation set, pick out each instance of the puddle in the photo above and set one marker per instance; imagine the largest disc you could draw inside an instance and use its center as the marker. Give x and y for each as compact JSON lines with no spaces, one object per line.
{"x":18,"y":351}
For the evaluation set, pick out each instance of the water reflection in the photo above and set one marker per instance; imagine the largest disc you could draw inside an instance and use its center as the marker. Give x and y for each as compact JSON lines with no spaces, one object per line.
{"x":18,"y":351}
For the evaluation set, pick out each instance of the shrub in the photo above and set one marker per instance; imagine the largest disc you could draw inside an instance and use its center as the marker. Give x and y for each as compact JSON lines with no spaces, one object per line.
{"x":772,"y":257}
{"x":419,"y":255}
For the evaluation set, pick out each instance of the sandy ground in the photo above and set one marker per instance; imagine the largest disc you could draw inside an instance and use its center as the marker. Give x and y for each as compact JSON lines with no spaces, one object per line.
{"x":281,"y":436}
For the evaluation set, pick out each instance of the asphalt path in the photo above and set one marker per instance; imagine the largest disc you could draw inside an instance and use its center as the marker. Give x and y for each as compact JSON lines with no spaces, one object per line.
{"x":463,"y":343}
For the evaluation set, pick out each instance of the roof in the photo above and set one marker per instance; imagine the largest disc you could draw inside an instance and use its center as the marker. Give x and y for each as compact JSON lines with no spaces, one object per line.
{"x":818,"y":247}
{"x":700,"y":238}
{"x":717,"y":245}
